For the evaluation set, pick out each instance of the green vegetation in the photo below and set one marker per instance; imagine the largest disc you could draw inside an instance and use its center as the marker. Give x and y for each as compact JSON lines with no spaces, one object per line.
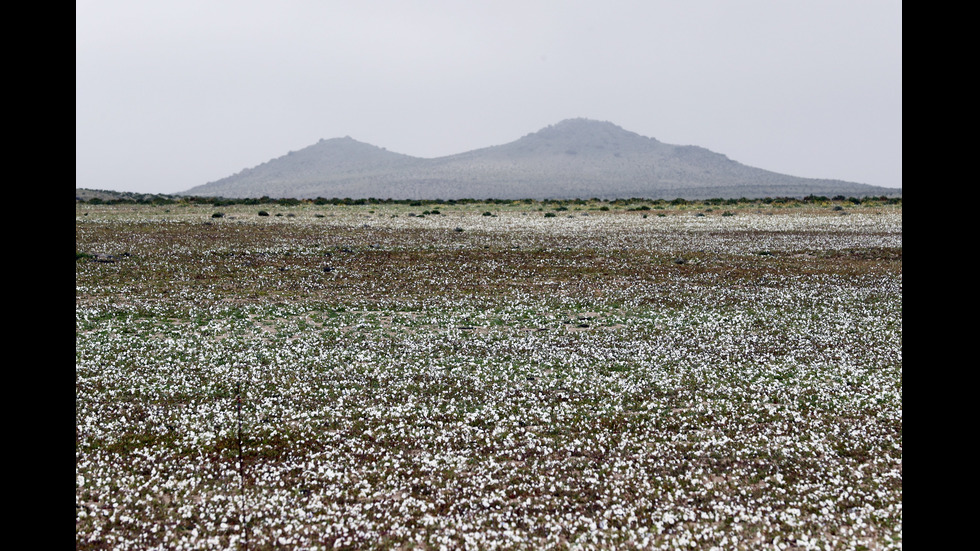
{"x":121,"y":198}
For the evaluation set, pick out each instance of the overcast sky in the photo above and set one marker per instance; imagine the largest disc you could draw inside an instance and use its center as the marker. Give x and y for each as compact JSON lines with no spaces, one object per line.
{"x":171,"y":94}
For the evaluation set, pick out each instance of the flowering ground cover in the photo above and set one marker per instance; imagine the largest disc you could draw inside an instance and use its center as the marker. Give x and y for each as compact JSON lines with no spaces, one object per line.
{"x":488,"y":377}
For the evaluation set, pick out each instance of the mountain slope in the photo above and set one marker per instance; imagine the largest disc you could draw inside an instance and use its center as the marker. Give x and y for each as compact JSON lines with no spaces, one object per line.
{"x":339,"y":161}
{"x":576,"y":158}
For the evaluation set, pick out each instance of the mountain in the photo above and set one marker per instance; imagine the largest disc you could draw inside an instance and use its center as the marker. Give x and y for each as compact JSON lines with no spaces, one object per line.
{"x":576,"y":158}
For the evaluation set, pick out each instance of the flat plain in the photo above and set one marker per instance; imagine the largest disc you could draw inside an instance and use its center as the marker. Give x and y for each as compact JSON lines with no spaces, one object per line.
{"x":525,"y":375}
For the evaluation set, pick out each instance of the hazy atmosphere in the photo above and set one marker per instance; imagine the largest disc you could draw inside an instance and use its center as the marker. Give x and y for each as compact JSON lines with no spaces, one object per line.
{"x":171,"y":95}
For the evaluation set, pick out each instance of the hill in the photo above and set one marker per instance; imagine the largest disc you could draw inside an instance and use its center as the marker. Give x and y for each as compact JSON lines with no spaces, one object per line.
{"x":576,"y":158}
{"x":83,"y":194}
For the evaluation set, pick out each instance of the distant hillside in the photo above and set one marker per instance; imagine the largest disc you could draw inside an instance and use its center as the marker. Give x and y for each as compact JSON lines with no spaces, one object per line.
{"x":83,"y":194}
{"x":576,"y":158}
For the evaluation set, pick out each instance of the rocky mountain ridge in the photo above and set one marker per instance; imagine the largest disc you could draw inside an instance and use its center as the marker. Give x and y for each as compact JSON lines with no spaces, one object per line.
{"x":576,"y":158}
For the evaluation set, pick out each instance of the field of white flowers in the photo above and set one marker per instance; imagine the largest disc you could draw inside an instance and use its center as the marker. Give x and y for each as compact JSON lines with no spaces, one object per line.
{"x":486,"y":377}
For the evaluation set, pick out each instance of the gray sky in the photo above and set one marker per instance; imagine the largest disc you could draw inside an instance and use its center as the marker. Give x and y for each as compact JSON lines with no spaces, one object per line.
{"x":170,"y":94}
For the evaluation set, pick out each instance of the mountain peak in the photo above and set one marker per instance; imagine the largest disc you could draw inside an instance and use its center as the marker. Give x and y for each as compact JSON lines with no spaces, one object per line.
{"x":582,"y":125}
{"x":576,"y":157}
{"x":589,"y":130}
{"x":583,"y":122}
